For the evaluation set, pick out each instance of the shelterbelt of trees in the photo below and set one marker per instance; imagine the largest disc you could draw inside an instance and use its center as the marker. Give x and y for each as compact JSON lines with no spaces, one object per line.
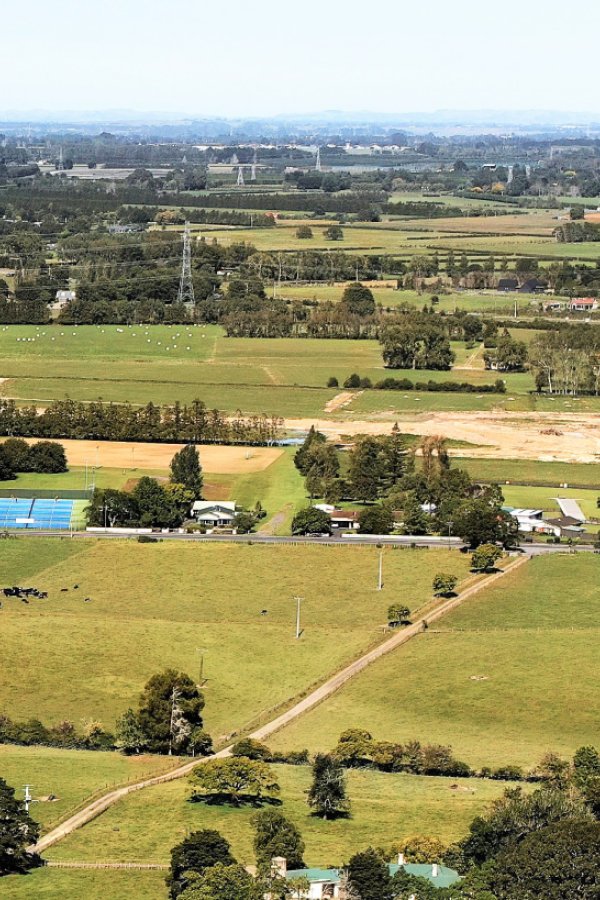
{"x":121,"y":422}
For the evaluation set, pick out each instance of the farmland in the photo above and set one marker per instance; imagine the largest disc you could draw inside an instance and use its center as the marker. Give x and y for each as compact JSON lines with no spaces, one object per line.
{"x":153,"y":606}
{"x":385,"y":808}
{"x":492,"y":679}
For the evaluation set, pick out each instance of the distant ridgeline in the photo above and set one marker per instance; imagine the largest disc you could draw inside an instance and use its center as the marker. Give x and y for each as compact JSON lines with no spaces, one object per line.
{"x":122,"y":422}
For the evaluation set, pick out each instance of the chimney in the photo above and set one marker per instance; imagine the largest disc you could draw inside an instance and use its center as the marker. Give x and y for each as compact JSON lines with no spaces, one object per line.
{"x":401,"y":859}
{"x":435,"y":870}
{"x":279,"y":866}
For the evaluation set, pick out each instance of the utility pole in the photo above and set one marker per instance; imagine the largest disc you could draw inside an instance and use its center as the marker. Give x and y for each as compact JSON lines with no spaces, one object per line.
{"x":201,"y":651}
{"x":298,"y":602}
{"x":450,"y":524}
{"x":380,"y":580}
{"x":174,"y":698}
{"x":186,"y":284}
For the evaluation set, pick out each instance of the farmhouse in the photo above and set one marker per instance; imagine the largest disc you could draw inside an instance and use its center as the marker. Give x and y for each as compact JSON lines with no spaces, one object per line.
{"x":583,"y":304}
{"x":61,"y":298}
{"x":326,"y":883}
{"x":214,"y":513}
{"x":340,"y":518}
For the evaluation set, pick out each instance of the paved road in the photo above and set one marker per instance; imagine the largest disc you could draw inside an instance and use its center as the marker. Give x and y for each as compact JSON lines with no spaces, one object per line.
{"x":321,"y":693}
{"x":335,"y":539}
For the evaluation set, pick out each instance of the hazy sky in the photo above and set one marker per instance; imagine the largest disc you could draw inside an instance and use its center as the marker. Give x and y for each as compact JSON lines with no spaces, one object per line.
{"x":275,"y":56}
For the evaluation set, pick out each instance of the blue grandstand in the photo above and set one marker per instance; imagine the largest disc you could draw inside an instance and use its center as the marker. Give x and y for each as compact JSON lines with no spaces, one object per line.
{"x":35,"y":514}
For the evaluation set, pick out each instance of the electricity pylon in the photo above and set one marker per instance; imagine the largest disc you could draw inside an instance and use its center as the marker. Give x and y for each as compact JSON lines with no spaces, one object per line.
{"x":240,"y":178}
{"x":185,"y":293}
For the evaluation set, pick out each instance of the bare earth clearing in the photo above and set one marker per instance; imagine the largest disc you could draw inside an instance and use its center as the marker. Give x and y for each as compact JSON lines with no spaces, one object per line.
{"x":505,"y":435}
{"x":224,"y":460}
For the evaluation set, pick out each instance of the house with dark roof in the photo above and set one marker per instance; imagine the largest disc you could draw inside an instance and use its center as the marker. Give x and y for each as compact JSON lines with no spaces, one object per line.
{"x":508,"y":284}
{"x":533,"y":286}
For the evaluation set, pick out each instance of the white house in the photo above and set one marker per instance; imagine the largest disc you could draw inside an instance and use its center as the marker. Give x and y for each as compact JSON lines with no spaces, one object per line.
{"x":214,"y":513}
{"x":61,"y":298}
{"x":583,"y":304}
{"x":531,"y":521}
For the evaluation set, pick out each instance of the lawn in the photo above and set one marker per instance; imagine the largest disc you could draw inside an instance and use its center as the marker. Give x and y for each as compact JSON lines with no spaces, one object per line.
{"x":508,"y":676}
{"x":65,"y":884}
{"x":385,"y":808}
{"x":154,"y":606}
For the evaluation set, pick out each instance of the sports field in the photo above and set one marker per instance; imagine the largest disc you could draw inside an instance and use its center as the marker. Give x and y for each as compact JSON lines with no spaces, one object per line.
{"x":508,"y":676}
{"x":385,"y":808}
{"x":155,"y":606}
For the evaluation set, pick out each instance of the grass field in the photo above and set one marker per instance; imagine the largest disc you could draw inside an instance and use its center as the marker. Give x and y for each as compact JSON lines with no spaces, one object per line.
{"x":71,"y":775}
{"x":492,"y":303}
{"x":60,"y":884}
{"x":144,"y":826}
{"x":531,"y":472}
{"x":533,"y":642}
{"x":545,"y":498}
{"x":154,"y":606}
{"x":283,"y":376}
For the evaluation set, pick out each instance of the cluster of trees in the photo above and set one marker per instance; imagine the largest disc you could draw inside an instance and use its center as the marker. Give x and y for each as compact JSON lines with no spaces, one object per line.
{"x":64,"y":735}
{"x":566,"y":361}
{"x":356,"y":748}
{"x":417,"y":341}
{"x":508,"y":355}
{"x":405,"y":384}
{"x":168,"y":719}
{"x":151,"y":504}
{"x":16,"y":455}
{"x":576,"y":232}
{"x":123,"y":422}
{"x":383,"y":471}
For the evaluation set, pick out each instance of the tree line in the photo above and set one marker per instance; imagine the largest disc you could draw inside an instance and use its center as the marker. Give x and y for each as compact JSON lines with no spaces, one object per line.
{"x":192,"y":423}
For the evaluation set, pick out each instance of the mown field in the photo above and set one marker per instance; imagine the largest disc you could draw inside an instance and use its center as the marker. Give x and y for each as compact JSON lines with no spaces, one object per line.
{"x":155,"y":606}
{"x":508,"y":676}
{"x":532,"y":472}
{"x":282,"y":376}
{"x":385,"y":808}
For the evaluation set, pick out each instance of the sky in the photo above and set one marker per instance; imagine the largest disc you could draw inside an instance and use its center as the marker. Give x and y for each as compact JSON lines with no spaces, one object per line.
{"x":269,"y":57}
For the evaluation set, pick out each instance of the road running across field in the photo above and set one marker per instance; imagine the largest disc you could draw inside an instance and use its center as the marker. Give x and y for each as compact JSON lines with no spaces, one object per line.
{"x":321,"y":693}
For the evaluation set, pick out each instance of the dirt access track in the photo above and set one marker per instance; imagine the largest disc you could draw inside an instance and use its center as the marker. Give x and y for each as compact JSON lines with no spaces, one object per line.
{"x":215,"y":459}
{"x":495,"y":435}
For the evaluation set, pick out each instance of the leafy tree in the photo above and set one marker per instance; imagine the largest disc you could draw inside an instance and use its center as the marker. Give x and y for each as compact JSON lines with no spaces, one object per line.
{"x":422,"y":848}
{"x":376,"y":520}
{"x":17,"y":832}
{"x":244,"y":522}
{"x":586,"y":765}
{"x":112,"y":508}
{"x":302,"y":457}
{"x":369,"y":877}
{"x":16,"y":452}
{"x":235,"y":780}
{"x":327,"y":795}
{"x":170,"y":712}
{"x":415,"y":520}
{"x":47,"y":456}
{"x":274,"y":835}
{"x":199,"y":851}
{"x":7,"y":472}
{"x":514,"y":816}
{"x":186,"y":470}
{"x":129,"y":735}
{"x":222,"y":882}
{"x":311,"y":521}
{"x":398,"y":614}
{"x":304,"y":232}
{"x":251,"y":749}
{"x":480,"y":521}
{"x":485,"y":557}
{"x":156,"y":506}
{"x":333,"y":233}
{"x":355,"y":748}
{"x":444,"y":584}
{"x":352,"y":381}
{"x":365,"y":470}
{"x":332,"y":382}
{"x":358,"y":300}
{"x":554,"y":863}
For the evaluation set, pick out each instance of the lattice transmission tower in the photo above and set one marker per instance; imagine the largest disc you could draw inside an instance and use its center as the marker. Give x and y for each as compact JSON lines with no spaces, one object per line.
{"x":185,"y":293}
{"x":240,"y":178}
